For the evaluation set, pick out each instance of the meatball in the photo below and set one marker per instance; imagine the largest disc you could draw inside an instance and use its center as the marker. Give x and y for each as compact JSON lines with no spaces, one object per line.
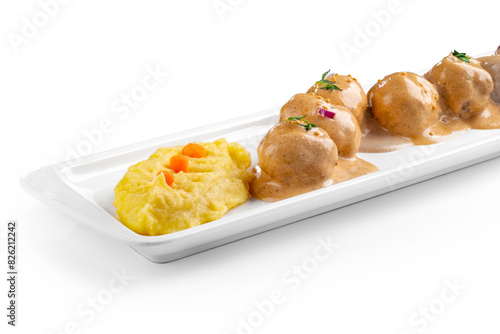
{"x":293,"y":161}
{"x":404,"y":103}
{"x":352,"y":96}
{"x":342,"y":128}
{"x":492,"y":65}
{"x":464,"y":88}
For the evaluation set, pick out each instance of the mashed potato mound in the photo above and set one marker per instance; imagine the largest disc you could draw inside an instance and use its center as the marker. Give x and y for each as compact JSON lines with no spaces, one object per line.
{"x":211,"y":186}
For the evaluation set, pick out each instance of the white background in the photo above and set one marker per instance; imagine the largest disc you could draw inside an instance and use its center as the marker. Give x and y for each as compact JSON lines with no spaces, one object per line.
{"x":396,"y":251}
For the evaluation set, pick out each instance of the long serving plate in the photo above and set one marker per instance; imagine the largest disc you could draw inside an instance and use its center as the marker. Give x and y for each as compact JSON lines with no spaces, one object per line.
{"x":85,"y":188}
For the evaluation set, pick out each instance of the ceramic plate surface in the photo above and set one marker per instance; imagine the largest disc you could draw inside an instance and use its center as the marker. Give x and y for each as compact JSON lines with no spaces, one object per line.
{"x":85,"y":188}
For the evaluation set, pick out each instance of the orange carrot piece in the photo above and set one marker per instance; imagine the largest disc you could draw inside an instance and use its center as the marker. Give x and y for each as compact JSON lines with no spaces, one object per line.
{"x":194,"y":151}
{"x":169,"y":177}
{"x":179,"y":163}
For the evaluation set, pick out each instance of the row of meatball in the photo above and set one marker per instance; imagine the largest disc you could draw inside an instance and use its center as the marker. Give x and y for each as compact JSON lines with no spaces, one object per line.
{"x":458,"y":86}
{"x":319,"y":128}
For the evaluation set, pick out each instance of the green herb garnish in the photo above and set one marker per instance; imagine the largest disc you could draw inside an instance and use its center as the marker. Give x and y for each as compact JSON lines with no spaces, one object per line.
{"x":328,"y":85}
{"x":308,"y":126}
{"x":461,"y":56}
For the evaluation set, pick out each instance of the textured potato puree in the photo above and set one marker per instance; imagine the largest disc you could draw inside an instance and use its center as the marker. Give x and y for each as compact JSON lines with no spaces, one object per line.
{"x":212,"y":185}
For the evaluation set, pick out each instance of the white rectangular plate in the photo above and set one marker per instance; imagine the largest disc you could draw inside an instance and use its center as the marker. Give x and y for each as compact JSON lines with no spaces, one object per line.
{"x":85,"y":188}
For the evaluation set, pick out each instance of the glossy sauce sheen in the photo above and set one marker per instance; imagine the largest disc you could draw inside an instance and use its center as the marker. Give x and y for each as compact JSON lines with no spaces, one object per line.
{"x":294,"y":160}
{"x":352,"y":96}
{"x":271,"y":190}
{"x":454,"y":96}
{"x":343,"y":128}
{"x":401,"y":110}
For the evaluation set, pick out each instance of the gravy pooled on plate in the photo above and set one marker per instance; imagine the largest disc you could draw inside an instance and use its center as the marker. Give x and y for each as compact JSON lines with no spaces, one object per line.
{"x":293,"y":161}
{"x":457,"y":94}
{"x":315,"y":143}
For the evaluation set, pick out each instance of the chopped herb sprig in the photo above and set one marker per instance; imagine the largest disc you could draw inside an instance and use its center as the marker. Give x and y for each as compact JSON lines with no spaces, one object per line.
{"x":328,"y":85}
{"x":308,"y":126}
{"x":461,"y":56}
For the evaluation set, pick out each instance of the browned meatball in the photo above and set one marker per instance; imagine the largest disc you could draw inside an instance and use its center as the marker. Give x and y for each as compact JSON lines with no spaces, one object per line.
{"x":293,"y":161}
{"x":464,"y":87}
{"x":492,"y":65}
{"x":352,"y":96}
{"x":404,"y":103}
{"x":342,"y":128}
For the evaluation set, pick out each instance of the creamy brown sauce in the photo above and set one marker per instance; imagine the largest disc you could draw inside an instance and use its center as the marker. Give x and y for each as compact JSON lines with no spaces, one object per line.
{"x":352,"y":96}
{"x":401,"y":110}
{"x":343,"y":128}
{"x":375,"y":138}
{"x":454,"y":96}
{"x":269,"y":189}
{"x":351,"y":168}
{"x":294,"y":160}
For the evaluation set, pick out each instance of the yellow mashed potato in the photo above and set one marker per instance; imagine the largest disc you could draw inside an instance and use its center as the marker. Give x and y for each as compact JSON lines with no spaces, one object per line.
{"x":212,"y":185}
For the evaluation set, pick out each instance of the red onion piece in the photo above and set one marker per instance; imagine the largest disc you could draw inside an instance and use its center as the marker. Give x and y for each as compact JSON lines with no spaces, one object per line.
{"x":326,"y":113}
